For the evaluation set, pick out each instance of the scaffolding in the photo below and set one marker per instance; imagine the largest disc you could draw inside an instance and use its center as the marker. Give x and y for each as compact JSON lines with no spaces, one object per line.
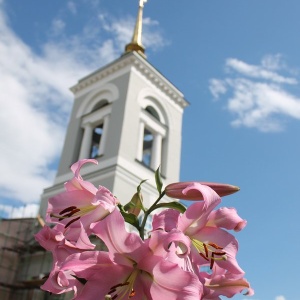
{"x":23,"y":262}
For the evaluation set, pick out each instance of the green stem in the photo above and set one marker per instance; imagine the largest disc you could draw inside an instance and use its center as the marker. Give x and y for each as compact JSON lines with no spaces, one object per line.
{"x":147,"y":213}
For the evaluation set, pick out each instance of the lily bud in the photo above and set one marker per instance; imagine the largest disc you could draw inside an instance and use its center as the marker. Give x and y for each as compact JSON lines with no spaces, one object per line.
{"x":175,"y":190}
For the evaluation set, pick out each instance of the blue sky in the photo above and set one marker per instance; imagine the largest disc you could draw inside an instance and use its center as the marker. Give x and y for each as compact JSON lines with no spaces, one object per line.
{"x":238,"y":64}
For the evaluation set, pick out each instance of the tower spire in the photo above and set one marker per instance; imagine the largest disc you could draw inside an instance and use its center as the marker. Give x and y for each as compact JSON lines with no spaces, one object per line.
{"x":136,"y":41}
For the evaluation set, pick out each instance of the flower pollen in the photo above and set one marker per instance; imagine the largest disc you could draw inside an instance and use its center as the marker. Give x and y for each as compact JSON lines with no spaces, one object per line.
{"x":209,"y":251}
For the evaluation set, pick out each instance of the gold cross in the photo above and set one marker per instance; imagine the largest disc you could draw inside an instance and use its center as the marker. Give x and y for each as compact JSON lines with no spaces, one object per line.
{"x":142,"y":3}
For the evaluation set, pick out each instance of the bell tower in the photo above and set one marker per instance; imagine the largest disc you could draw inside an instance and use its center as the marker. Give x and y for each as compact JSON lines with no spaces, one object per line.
{"x":128,"y":116}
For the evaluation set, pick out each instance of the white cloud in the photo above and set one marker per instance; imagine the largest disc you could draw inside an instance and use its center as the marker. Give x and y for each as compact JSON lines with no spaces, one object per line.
{"x":32,"y":89}
{"x":259,"y":97}
{"x":123,"y":30}
{"x":152,"y":36}
{"x":58,"y":26}
{"x":36,"y":102}
{"x":260,"y":72}
{"x":280,"y":298}
{"x":217,"y":87}
{"x":273,"y":62}
{"x":28,"y":211}
{"x":72,"y":7}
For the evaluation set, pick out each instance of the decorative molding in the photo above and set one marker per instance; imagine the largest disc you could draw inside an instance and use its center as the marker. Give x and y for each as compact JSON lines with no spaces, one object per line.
{"x":103,"y":166}
{"x":134,"y":60}
{"x":108,"y":91}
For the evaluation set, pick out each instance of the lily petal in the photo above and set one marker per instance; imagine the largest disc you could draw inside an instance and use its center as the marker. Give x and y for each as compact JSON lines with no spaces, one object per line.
{"x":169,"y":281}
{"x":196,"y":216}
{"x":77,"y":183}
{"x":112,"y":232}
{"x":166,"y":220}
{"x":224,"y":283}
{"x":226,"y":241}
{"x":226,"y":218}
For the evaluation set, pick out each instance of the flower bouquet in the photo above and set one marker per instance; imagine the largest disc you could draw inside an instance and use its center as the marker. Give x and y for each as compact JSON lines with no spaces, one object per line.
{"x":188,"y":254}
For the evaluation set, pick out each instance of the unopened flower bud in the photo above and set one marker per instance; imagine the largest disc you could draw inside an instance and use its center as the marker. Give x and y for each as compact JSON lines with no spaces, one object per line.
{"x":175,"y":190}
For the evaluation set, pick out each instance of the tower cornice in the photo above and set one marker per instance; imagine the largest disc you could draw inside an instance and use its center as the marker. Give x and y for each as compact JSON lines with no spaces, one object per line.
{"x":136,"y":61}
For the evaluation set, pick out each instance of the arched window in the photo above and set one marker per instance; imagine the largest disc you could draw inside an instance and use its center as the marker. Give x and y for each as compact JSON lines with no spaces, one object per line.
{"x":152,"y":133}
{"x":94,"y":113}
{"x":152,"y":112}
{"x":147,"y":147}
{"x":95,"y":126}
{"x":99,"y":105}
{"x":96,"y":140}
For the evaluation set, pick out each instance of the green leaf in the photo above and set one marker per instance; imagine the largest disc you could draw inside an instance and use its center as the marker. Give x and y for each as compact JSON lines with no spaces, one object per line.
{"x":135,"y":205}
{"x":175,"y":205}
{"x":158,"y":180}
{"x":131,"y":219}
{"x":131,"y":204}
{"x":139,"y":186}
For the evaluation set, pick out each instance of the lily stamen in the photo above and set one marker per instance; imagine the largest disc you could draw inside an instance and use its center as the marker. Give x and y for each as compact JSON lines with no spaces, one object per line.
{"x":70,"y":214}
{"x":67,"y":209}
{"x":72,"y":221}
{"x":114,"y":288}
{"x":121,"y":289}
{"x":208,"y":251}
{"x":204,"y":256}
{"x":213,"y":258}
{"x":215,"y":246}
{"x":73,"y":211}
{"x":132,"y":293}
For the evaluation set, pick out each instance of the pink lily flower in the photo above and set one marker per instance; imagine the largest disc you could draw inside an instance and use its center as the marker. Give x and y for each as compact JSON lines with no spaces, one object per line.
{"x":81,"y":202}
{"x":134,"y":269}
{"x":61,"y":281}
{"x":181,"y":190}
{"x":77,"y":182}
{"x":88,"y":266}
{"x":53,"y":239}
{"x":226,"y":218}
{"x":210,"y":244}
{"x":224,"y":283}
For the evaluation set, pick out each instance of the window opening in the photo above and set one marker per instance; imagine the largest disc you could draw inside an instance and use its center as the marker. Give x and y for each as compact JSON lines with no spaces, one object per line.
{"x":100,"y":105}
{"x":147,"y":147}
{"x":152,"y":112}
{"x":96,"y":140}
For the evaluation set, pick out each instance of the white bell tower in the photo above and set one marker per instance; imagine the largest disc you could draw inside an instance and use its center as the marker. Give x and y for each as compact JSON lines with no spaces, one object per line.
{"x":128,"y":116}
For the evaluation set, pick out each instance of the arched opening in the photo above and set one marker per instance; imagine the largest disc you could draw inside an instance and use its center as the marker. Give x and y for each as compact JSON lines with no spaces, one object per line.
{"x":95,"y":126}
{"x":152,"y":112}
{"x":100,"y":105}
{"x":147,"y":147}
{"x":96,"y":140}
{"x":153,"y":131}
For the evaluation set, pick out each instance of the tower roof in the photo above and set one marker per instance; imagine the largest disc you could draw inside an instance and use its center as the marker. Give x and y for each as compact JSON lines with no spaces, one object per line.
{"x":136,"y":41}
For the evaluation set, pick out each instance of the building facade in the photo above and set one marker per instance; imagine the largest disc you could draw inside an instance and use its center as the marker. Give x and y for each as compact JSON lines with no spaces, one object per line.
{"x":128,"y":117}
